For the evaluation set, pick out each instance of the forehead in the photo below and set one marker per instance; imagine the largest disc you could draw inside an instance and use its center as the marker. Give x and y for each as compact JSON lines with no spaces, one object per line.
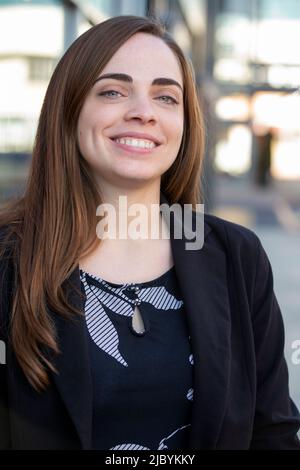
{"x":145,"y":56}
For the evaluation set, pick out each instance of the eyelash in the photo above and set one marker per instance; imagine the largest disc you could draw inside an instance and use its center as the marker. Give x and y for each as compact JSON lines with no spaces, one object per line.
{"x":170,"y":99}
{"x":105,"y":93}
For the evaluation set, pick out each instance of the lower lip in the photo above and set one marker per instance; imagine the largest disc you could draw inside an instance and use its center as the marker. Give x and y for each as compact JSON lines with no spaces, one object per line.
{"x":132,"y":150}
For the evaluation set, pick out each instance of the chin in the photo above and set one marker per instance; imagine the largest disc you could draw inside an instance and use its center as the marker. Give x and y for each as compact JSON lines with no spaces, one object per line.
{"x":138,"y":173}
{"x":134,"y":179}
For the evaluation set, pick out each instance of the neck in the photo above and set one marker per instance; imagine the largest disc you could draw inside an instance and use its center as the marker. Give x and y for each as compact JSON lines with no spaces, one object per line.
{"x":136,"y":211}
{"x":146,"y":194}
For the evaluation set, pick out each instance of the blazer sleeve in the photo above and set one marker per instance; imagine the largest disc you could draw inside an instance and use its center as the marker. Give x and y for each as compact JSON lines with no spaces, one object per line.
{"x":276,"y":419}
{"x":5,"y":302}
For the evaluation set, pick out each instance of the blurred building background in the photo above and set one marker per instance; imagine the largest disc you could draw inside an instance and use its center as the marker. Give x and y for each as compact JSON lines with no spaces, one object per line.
{"x":247,"y":63}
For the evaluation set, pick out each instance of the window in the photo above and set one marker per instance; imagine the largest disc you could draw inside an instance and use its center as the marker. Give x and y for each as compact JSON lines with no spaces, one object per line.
{"x":40,"y":68}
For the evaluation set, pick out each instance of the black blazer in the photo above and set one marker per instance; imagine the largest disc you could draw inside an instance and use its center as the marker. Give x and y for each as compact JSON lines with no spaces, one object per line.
{"x":241,"y":396}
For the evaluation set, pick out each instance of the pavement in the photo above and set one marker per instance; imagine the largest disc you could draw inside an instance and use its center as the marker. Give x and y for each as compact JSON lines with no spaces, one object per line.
{"x":273,"y":213}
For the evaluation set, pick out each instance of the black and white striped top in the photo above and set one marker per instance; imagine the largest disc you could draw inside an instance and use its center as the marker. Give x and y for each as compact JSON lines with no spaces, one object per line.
{"x":142,"y":379}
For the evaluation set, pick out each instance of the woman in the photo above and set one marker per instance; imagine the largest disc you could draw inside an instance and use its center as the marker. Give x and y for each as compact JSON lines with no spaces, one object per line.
{"x":128,"y":343}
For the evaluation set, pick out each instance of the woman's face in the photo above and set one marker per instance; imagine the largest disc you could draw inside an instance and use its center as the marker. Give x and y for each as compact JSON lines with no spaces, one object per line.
{"x":131,"y":124}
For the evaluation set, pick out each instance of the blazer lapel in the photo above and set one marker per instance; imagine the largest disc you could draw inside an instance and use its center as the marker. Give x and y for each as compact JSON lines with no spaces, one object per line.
{"x":74,"y":380}
{"x":201,"y":275}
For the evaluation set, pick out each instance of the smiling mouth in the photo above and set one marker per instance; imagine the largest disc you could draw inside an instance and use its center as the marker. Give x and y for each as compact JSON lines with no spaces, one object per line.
{"x":136,"y":143}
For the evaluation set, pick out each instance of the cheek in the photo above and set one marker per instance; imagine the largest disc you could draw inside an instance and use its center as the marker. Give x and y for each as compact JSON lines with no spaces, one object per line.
{"x":82,"y":128}
{"x":176,"y":122}
{"x":87,"y":128}
{"x":177,"y":130}
{"x":92,"y":122}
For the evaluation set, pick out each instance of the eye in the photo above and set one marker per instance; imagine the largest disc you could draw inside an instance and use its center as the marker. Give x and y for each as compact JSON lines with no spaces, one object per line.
{"x":167,"y":99}
{"x":110,"y":94}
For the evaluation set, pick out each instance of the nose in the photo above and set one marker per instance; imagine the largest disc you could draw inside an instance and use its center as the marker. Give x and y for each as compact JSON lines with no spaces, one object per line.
{"x":141,"y":109}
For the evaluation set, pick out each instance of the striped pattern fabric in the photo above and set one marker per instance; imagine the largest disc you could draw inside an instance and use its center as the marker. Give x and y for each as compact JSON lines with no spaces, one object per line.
{"x":103,"y":301}
{"x":100,"y":327}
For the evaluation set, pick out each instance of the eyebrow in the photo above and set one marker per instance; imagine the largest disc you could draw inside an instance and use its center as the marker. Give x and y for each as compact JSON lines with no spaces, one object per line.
{"x":123,"y":77}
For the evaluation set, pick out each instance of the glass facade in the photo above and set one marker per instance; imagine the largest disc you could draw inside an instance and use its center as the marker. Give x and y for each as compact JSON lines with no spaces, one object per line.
{"x":33,"y":35}
{"x":96,"y":7}
{"x":31,"y":39}
{"x":256,"y":60}
{"x":29,"y":2}
{"x":186,"y":22}
{"x":245,"y":56}
{"x":106,"y":6}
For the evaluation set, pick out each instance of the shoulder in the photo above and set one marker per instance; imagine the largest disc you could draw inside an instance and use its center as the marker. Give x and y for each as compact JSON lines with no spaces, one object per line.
{"x":6,"y":278}
{"x":248,"y":267}
{"x":230,"y":234}
{"x":8,"y":242}
{"x":241,"y":246}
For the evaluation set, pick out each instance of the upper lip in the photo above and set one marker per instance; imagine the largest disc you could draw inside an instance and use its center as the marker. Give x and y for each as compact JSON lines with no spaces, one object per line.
{"x":137,"y":135}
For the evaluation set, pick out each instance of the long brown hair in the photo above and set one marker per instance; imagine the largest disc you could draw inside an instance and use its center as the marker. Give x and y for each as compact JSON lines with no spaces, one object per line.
{"x":51,"y":225}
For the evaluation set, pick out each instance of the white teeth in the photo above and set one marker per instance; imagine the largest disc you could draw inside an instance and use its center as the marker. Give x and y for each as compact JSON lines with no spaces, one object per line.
{"x":139,"y":143}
